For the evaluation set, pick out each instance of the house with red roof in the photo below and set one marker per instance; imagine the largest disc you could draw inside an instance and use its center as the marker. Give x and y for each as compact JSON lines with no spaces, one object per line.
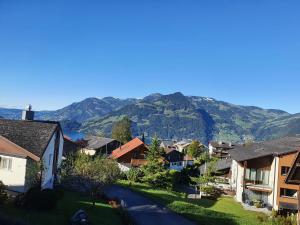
{"x":131,"y":154}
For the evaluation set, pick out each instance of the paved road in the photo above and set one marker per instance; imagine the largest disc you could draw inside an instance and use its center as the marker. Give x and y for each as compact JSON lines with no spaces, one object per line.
{"x":144,"y":211}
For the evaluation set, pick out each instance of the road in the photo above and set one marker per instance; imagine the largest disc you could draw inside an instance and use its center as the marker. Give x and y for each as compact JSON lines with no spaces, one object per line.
{"x":144,"y":211}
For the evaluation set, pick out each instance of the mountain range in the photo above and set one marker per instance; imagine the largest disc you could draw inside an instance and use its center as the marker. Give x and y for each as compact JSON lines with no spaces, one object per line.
{"x":172,"y":116}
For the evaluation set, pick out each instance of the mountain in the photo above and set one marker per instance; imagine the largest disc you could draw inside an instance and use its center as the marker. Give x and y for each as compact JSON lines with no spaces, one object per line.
{"x":87,"y":109}
{"x":173,"y":116}
{"x":168,"y":116}
{"x":177,"y":116}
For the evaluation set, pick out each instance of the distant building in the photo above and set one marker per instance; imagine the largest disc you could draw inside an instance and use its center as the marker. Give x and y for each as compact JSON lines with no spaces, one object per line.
{"x":220,"y":149}
{"x":70,"y":146}
{"x":183,"y":145}
{"x":131,"y":154}
{"x":259,"y":171}
{"x":23,"y":142}
{"x":100,"y":145}
{"x":167,"y":144}
{"x":177,"y":160}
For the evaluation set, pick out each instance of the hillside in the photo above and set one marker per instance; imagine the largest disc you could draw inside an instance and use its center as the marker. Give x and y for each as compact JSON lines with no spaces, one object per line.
{"x":178,"y":116}
{"x":173,"y":116}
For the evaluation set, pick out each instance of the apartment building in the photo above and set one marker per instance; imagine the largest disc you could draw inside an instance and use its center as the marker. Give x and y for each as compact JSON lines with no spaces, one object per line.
{"x":259,"y":170}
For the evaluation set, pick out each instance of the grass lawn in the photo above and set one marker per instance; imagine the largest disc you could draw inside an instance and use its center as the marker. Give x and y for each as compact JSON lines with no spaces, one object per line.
{"x":102,"y":214}
{"x":224,"y":211}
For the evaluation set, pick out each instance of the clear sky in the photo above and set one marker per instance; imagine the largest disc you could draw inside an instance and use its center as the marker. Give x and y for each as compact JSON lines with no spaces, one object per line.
{"x":57,"y":52}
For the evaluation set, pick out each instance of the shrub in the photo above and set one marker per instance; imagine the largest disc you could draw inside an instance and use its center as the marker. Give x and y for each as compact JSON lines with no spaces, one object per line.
{"x":59,"y":192}
{"x":160,"y":180}
{"x":134,"y":175}
{"x":38,"y":199}
{"x":211,"y":191}
{"x":3,"y":194}
{"x":175,"y":177}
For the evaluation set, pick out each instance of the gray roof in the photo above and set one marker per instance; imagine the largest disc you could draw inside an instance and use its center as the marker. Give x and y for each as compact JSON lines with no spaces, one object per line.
{"x":167,"y":143}
{"x":33,"y":136}
{"x":95,"y":142}
{"x":217,"y":144}
{"x":273,"y":147}
{"x":221,"y":164}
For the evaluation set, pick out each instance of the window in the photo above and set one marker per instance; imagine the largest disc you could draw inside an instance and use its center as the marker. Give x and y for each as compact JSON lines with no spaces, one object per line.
{"x":5,"y":163}
{"x":290,"y":193}
{"x":257,"y":176}
{"x":285,"y":170}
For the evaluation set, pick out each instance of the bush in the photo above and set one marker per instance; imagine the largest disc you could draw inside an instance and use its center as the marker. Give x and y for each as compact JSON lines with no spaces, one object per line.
{"x":3,"y":194}
{"x":134,"y":175}
{"x":160,"y":180}
{"x":211,"y":191}
{"x":38,"y":199}
{"x":175,"y":177}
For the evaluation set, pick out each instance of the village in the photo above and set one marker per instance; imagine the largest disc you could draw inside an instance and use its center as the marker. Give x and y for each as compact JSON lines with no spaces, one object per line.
{"x":40,"y":167}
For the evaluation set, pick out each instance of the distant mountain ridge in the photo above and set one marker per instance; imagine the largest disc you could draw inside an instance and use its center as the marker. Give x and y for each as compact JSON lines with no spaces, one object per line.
{"x":173,"y":116}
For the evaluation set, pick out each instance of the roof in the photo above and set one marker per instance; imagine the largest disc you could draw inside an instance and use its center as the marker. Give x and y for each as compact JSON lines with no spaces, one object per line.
{"x":221,"y":144}
{"x":9,"y":148}
{"x":95,"y":142}
{"x":169,"y":150}
{"x":167,"y":143}
{"x":128,"y":147}
{"x":275,"y":147}
{"x":293,"y":176}
{"x":33,"y":136}
{"x":221,"y":164}
{"x":183,"y":143}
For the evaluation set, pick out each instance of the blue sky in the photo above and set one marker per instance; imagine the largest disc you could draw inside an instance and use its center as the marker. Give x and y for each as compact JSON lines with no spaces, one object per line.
{"x":57,"y":52}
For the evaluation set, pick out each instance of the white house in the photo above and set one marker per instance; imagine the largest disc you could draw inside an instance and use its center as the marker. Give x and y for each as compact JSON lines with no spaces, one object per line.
{"x":182,"y":146}
{"x":177,"y":160}
{"x":23,"y":142}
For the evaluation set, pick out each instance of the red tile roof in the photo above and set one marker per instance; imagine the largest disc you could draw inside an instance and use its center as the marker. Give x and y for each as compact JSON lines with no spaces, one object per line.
{"x":128,"y":147}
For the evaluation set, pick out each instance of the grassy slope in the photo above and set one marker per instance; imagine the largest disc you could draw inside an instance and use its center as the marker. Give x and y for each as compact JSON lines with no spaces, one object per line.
{"x":102,"y":214}
{"x":221,"y":212}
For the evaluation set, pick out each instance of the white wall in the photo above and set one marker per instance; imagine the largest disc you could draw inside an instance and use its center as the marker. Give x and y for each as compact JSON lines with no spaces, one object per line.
{"x":48,"y":157}
{"x":14,"y":178}
{"x":236,"y":180}
{"x":274,"y":172}
{"x":61,"y":149}
{"x":48,"y":178}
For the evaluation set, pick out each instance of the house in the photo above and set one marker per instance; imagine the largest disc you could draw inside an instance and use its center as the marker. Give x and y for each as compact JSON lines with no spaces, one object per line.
{"x":70,"y":146}
{"x":100,"y":145}
{"x":182,"y":146}
{"x":293,"y":177}
{"x":24,"y":142}
{"x":131,"y":154}
{"x":259,"y":170}
{"x":166,"y":144}
{"x":177,"y":160}
{"x":220,"y":149}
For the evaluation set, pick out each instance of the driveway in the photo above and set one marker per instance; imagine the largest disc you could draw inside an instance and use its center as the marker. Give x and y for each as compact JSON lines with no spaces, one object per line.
{"x":144,"y":211}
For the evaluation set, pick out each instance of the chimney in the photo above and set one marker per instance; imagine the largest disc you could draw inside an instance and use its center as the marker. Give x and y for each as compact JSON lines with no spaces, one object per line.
{"x":27,"y":113}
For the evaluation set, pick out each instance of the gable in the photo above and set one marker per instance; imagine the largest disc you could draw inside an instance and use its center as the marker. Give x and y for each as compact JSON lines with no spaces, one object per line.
{"x":294,"y":173}
{"x":33,"y":136}
{"x":11,"y":149}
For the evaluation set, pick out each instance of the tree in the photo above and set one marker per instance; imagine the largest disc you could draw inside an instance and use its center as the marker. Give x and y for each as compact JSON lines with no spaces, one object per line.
{"x":91,"y":174}
{"x":121,"y":130}
{"x":154,"y":156}
{"x":195,"y":149}
{"x":206,"y":181}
